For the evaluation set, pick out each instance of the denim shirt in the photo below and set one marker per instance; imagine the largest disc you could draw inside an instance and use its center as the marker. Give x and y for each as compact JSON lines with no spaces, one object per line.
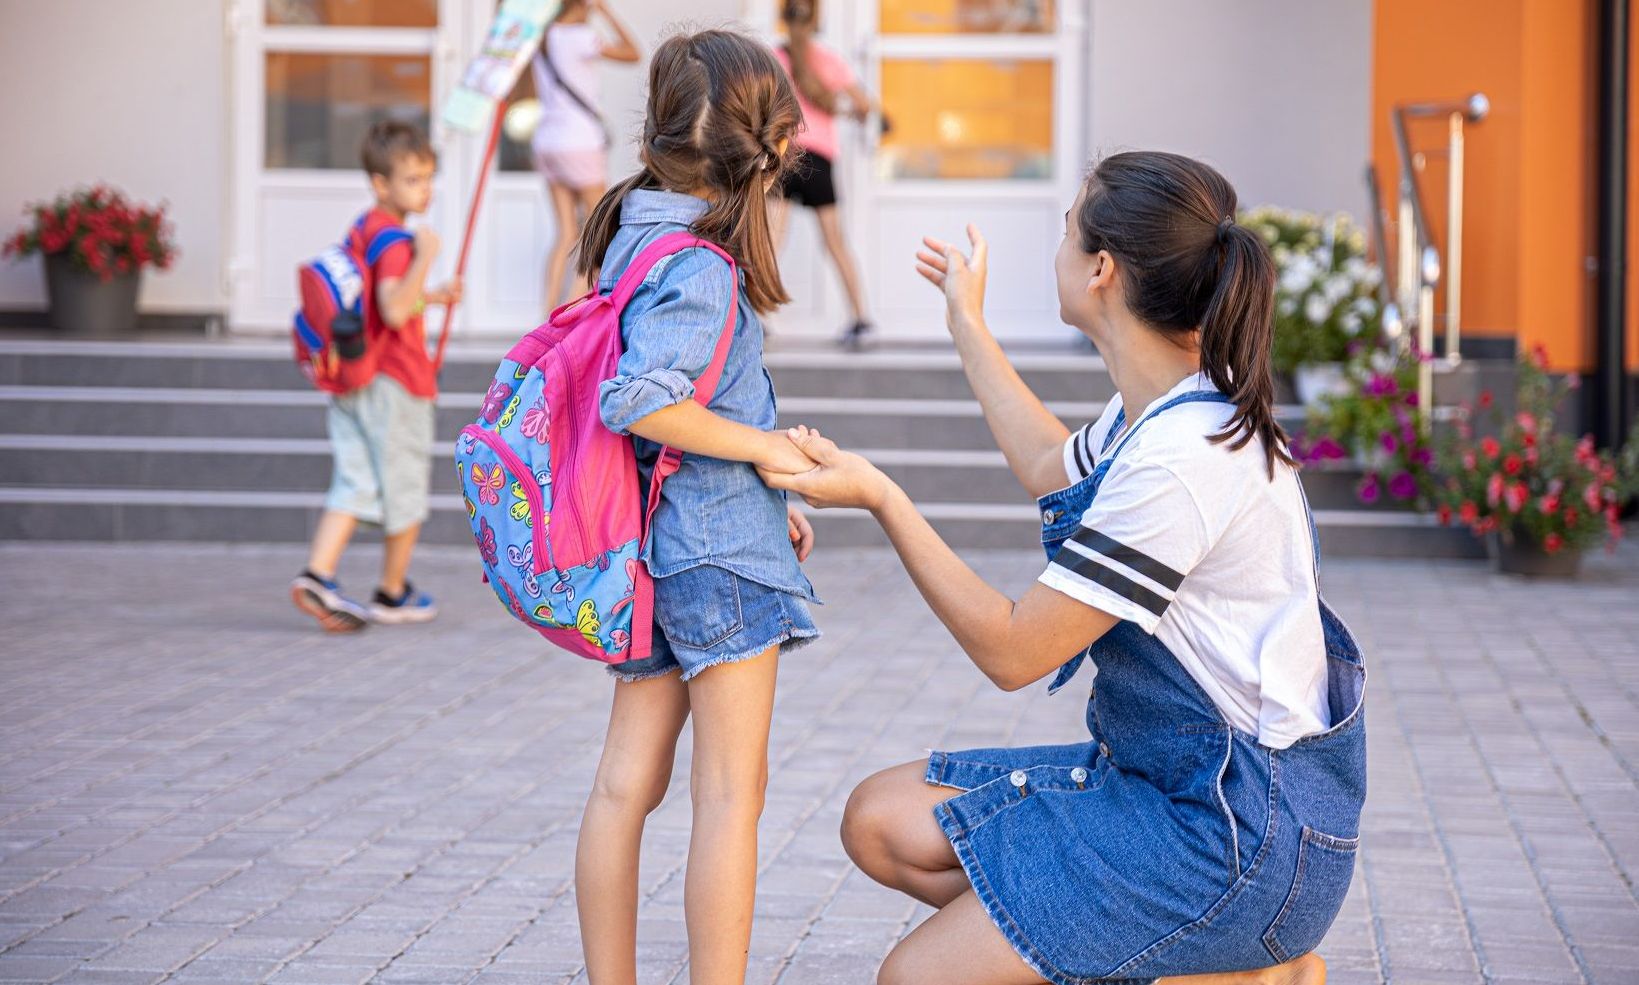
{"x":712,"y":511}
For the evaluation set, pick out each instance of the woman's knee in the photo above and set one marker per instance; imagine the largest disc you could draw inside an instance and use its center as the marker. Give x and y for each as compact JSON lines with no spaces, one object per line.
{"x":867,"y":821}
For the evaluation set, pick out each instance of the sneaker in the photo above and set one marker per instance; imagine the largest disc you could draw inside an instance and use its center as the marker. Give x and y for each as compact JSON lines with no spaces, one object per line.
{"x":859,"y":335}
{"x":412,"y":606}
{"x":322,"y":599}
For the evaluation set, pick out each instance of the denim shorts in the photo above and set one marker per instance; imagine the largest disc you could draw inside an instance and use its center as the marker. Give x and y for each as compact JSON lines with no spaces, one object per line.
{"x":708,"y":615}
{"x":381,"y":437}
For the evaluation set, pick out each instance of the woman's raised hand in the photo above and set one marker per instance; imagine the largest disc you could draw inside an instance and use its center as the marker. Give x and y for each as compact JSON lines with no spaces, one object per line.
{"x":961,"y":278}
{"x":841,"y":478}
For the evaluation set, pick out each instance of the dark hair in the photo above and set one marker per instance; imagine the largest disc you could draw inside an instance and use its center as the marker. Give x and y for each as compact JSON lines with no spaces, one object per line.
{"x":719,"y":107}
{"x":1186,"y":265}
{"x":389,"y":141}
{"x":801,"y":18}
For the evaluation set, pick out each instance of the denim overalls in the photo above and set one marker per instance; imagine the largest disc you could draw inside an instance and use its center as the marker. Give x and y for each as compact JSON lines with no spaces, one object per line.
{"x":1171,"y":843}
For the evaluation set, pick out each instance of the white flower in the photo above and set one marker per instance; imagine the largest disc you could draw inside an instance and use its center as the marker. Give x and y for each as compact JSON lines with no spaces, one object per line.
{"x":1365,"y":307}
{"x":1382,"y":360}
{"x":1316,"y":309}
{"x":1336,"y":288}
{"x":1351,"y":323}
{"x":1287,"y":306}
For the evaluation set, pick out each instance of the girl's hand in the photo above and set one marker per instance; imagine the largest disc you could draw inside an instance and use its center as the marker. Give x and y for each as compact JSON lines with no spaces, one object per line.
{"x":779,"y":455}
{"x":961,"y":278}
{"x":841,"y":478}
{"x":802,"y":534}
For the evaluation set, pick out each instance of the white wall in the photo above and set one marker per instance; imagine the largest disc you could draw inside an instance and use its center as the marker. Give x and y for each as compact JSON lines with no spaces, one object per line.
{"x":131,"y":93}
{"x":1275,"y":93}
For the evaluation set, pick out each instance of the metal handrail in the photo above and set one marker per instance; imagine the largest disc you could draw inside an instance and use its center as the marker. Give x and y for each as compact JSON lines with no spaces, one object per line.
{"x":1392,"y":325}
{"x":1419,"y":264}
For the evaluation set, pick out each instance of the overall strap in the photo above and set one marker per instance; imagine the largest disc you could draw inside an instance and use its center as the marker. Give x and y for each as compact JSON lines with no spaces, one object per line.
{"x":1192,"y":397}
{"x":706,"y":386}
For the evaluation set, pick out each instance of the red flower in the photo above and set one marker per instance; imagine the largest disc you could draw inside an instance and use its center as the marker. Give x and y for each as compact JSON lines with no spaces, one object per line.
{"x":1512,"y":464}
{"x":1553,"y":543}
{"x":1515,"y":495}
{"x":1571,"y":516}
{"x":1444,"y":514}
{"x":1489,"y":447}
{"x":1549,"y":504}
{"x":1485,"y":399}
{"x":1592,"y":497}
{"x":1468,"y":513}
{"x":1493,"y":489}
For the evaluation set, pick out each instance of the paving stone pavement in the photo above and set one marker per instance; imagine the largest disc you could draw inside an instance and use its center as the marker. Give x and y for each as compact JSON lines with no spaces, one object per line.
{"x":196,"y":786}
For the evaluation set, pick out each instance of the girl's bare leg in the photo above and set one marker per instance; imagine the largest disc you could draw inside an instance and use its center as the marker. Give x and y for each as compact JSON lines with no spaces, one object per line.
{"x":830,"y":222}
{"x":732,"y":704}
{"x":632,"y":776}
{"x":586,"y":199}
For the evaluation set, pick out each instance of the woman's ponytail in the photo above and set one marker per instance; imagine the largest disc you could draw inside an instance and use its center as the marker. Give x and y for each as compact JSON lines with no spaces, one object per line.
{"x":1187,"y":266}
{"x":1236,"y":334}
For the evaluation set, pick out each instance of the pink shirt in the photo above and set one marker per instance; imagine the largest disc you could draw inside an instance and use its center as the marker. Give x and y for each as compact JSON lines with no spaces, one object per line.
{"x":819,"y":132}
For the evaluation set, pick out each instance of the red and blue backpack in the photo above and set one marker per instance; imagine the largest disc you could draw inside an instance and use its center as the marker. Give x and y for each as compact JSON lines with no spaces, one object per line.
{"x":330,"y":331}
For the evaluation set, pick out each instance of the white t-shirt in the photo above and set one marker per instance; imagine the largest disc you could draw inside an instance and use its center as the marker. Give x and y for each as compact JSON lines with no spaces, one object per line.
{"x":1195,"y":544}
{"x":564,"y":125}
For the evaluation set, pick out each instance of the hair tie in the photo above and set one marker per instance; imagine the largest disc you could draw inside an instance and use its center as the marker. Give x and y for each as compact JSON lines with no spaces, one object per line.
{"x":1224,"y":228}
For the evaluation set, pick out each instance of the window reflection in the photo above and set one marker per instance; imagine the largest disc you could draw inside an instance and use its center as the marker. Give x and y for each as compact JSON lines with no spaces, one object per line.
{"x":967,"y":118}
{"x":966,"y":16}
{"x":320,"y":105}
{"x":353,"y":13}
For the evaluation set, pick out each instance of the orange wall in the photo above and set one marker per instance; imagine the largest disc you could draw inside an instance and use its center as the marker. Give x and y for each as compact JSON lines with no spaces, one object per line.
{"x":1528,"y":185}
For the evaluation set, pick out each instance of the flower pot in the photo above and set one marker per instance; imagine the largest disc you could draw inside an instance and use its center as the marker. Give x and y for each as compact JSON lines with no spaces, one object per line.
{"x":86,"y":305}
{"x":1315,"y":380}
{"x":1520,"y":554}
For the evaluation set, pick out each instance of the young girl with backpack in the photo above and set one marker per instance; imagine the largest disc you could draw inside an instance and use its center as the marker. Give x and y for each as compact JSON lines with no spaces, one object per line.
{"x":729,"y":597}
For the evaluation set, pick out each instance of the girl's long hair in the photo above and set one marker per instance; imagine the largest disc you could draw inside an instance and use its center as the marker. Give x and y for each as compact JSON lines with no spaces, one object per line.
{"x":719,"y":109}
{"x":1186,"y":264}
{"x":801,"y":18}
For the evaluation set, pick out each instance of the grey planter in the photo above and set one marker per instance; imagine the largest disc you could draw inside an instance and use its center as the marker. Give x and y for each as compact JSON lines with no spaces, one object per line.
{"x":1522,"y":555}
{"x":84,"y":304}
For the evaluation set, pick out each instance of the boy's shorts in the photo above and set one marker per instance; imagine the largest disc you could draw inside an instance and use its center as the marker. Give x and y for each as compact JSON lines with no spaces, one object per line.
{"x":706,"y":615}
{"x":382,"y":440}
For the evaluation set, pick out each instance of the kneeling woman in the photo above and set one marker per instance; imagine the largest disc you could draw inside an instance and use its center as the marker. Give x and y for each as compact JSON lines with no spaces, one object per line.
{"x":1209,"y":826}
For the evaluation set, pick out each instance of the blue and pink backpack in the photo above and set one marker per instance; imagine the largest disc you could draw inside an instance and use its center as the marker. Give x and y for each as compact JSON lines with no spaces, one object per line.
{"x":552,"y":494}
{"x":329,"y":331}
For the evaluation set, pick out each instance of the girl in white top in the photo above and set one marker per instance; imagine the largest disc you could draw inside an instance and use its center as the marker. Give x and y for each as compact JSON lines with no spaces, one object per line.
{"x":571,"y":143}
{"x":1197,"y":534}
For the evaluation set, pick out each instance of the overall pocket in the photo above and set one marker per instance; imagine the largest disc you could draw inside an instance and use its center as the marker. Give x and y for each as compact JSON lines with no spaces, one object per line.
{"x":698,"y":607}
{"x":1325,"y":867}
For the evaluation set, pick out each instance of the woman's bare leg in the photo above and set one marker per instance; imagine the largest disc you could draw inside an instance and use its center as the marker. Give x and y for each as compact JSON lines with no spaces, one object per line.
{"x":732,"y":705}
{"x":632,"y":776}
{"x":889,"y":831}
{"x":959,"y":945}
{"x":563,"y":242}
{"x":586,"y":199}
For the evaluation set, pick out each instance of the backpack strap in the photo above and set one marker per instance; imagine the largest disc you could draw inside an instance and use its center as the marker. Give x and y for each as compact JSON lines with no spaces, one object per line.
{"x":383,"y":240}
{"x":706,"y":386}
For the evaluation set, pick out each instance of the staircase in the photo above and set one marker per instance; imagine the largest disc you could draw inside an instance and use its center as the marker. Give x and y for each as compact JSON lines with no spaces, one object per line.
{"x":224,"y":442}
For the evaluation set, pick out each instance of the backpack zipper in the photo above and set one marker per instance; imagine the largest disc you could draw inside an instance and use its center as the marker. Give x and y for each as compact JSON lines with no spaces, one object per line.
{"x":526,"y":479}
{"x":574,"y":433}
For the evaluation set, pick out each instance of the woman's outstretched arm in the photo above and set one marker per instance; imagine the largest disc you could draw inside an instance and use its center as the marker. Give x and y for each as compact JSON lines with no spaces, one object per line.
{"x":1013,"y":643}
{"x":1029,"y":435}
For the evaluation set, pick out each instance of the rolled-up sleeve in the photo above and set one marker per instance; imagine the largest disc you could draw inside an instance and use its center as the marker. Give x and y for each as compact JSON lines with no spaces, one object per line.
{"x":671,"y":327}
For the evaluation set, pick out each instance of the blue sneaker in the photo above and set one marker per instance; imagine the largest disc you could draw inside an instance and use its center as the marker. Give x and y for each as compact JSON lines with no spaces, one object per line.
{"x":322,"y":599}
{"x":412,"y":606}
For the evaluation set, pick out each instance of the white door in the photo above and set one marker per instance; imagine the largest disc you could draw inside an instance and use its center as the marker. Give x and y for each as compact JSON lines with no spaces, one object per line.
{"x":985,"y":102}
{"x":309,"y":77}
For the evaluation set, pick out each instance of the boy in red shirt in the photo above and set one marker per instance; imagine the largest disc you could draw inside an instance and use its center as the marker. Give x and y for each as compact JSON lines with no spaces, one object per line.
{"x":381,"y":434}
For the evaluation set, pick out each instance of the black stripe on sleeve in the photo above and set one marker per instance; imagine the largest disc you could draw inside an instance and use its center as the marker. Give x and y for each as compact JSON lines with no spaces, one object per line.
{"x":1083,"y":566}
{"x":1132,"y":557}
{"x":1078,"y":444}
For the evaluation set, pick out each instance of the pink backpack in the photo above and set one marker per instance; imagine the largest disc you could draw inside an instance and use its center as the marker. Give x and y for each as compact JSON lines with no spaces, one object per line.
{"x":552,"y":494}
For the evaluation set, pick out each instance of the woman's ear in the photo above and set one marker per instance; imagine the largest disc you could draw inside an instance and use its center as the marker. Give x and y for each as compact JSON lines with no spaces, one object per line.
{"x":1103,"y":273}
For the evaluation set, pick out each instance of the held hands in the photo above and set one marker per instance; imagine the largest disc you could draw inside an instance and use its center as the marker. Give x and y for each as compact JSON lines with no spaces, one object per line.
{"x":961,"y":278}
{"x":841,"y":478}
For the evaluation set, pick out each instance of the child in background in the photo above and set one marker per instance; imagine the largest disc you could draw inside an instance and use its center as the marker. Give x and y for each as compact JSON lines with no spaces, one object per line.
{"x":381,"y":434}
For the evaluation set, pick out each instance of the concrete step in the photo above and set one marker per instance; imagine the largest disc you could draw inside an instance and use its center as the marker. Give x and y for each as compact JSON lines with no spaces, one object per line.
{"x":905,"y":373}
{"x":303,"y":465}
{"x":142,"y":515}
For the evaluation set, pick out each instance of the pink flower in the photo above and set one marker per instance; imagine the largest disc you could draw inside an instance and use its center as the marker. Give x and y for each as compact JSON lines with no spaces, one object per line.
{"x":1493,"y":489}
{"x":1514,"y":496}
{"x":1368,"y":490}
{"x":1468,"y":513}
{"x":1591,"y":496}
{"x":1489,"y":447}
{"x":1549,"y":504}
{"x":1469,"y":461}
{"x":1403,"y":486}
{"x":1391,"y":444}
{"x":1553,"y":543}
{"x":1327,"y":449}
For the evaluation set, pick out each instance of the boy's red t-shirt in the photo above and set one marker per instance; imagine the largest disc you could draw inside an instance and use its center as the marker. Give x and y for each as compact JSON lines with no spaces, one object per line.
{"x":402,"y":352}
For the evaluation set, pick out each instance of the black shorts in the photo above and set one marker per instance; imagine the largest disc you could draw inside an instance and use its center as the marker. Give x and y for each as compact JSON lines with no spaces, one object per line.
{"x":807,"y":181}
